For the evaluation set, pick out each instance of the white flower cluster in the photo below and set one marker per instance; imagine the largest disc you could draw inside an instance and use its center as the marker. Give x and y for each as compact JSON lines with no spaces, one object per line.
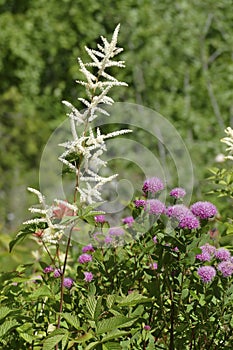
{"x":229,"y":142}
{"x":82,"y":154}
{"x":53,"y":233}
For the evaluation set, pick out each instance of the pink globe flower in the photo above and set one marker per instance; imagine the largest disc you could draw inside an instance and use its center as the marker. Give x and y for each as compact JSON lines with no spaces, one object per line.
{"x":88,"y":276}
{"x":88,"y":248}
{"x":226,"y":268}
{"x":84,"y":258}
{"x":153,"y":185}
{"x":129,"y":220}
{"x":206,"y":273}
{"x":100,"y":219}
{"x":68,"y":282}
{"x":155,"y":207}
{"x":178,"y":192}
{"x":203,"y":210}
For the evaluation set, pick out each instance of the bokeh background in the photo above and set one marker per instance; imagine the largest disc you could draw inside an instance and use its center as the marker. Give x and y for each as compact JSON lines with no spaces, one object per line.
{"x":179,"y":62}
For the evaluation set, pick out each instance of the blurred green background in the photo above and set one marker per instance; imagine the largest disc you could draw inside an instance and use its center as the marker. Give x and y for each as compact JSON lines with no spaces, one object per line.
{"x":179,"y":62}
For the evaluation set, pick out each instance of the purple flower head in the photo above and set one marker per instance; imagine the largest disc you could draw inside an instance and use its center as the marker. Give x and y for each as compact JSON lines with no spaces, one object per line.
{"x":203,"y":210}
{"x":178,"y":192}
{"x":222,"y":254}
{"x":139,"y":203}
{"x":204,"y":256}
{"x":147,"y":328}
{"x":226,"y":268}
{"x":155,"y":239}
{"x":153,"y":185}
{"x":68,"y":282}
{"x":177,"y":211}
{"x":88,"y":276}
{"x":189,"y":221}
{"x":57,"y":273}
{"x":129,"y":220}
{"x":100,"y":219}
{"x":108,"y":240}
{"x":84,"y":258}
{"x":208,"y":248}
{"x":116,"y":231}
{"x":155,"y":207}
{"x":154,"y":266}
{"x":88,"y":248}
{"x":48,"y":269}
{"x":176,"y":250}
{"x":206,"y":273}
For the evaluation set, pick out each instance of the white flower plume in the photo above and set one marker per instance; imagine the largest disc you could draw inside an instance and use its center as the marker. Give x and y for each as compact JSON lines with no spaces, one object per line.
{"x":229,"y":142}
{"x":82,"y":154}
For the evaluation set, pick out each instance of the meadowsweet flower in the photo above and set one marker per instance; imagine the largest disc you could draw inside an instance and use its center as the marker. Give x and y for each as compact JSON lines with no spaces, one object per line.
{"x":178,"y":192}
{"x":88,"y":276}
{"x":153,"y":185}
{"x":206,"y":273}
{"x":68,"y":282}
{"x":108,"y":240}
{"x":203,"y":210}
{"x":226,"y":268}
{"x":88,"y":248}
{"x":129,"y":220}
{"x":62,"y":209}
{"x":204,"y":256}
{"x":177,"y":211}
{"x":147,"y":328}
{"x":100,"y":219}
{"x":222,"y":254}
{"x":48,"y":269}
{"x":155,"y":207}
{"x":208,"y":248}
{"x":57,"y":273}
{"x":84,"y":258}
{"x":154,"y":266}
{"x":139,"y":203}
{"x":229,"y":142}
{"x":189,"y":221}
{"x":116,"y":231}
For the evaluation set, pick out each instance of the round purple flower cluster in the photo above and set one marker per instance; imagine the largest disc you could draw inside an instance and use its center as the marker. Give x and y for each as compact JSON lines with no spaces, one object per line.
{"x":203,"y":210}
{"x":129,"y":220}
{"x":177,"y":211}
{"x":178,"y":192}
{"x":100,"y":219}
{"x":139,"y":203}
{"x":88,"y":276}
{"x":84,"y":258}
{"x":222,"y":254}
{"x":68,"y":282}
{"x":226,"y":268}
{"x":189,"y":221}
{"x":57,"y":273}
{"x":155,"y":207}
{"x":116,"y":231}
{"x":48,"y":269}
{"x":207,"y":253}
{"x":153,"y":185}
{"x":206,"y":273}
{"x":88,"y":248}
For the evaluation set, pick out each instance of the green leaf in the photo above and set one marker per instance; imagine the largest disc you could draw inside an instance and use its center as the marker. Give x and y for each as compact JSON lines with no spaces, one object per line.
{"x":42,"y":291}
{"x":114,"y":322}
{"x":7,"y":326}
{"x":94,"y":306}
{"x":4,"y":311}
{"x":114,"y":335}
{"x":19,"y":237}
{"x":54,"y":338}
{"x":92,"y":345}
{"x":133,"y":299}
{"x":83,"y":338}
{"x":111,"y":346}
{"x":71,"y":319}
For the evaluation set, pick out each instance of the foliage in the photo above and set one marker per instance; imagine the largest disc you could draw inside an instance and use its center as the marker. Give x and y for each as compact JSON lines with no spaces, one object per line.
{"x":159,"y":281}
{"x":178,"y":62}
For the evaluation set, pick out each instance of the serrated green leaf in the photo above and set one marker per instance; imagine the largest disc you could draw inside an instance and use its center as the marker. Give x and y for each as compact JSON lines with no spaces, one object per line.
{"x":92,"y":345}
{"x":4,"y":311}
{"x":114,"y":322}
{"x":133,"y":299}
{"x":110,"y":300}
{"x":83,"y":338}
{"x":42,"y":291}
{"x":71,"y":319}
{"x":93,"y":305}
{"x":112,"y":346}
{"x":7,"y":326}
{"x":114,"y":335}
{"x":27,"y":337}
{"x":54,"y":338}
